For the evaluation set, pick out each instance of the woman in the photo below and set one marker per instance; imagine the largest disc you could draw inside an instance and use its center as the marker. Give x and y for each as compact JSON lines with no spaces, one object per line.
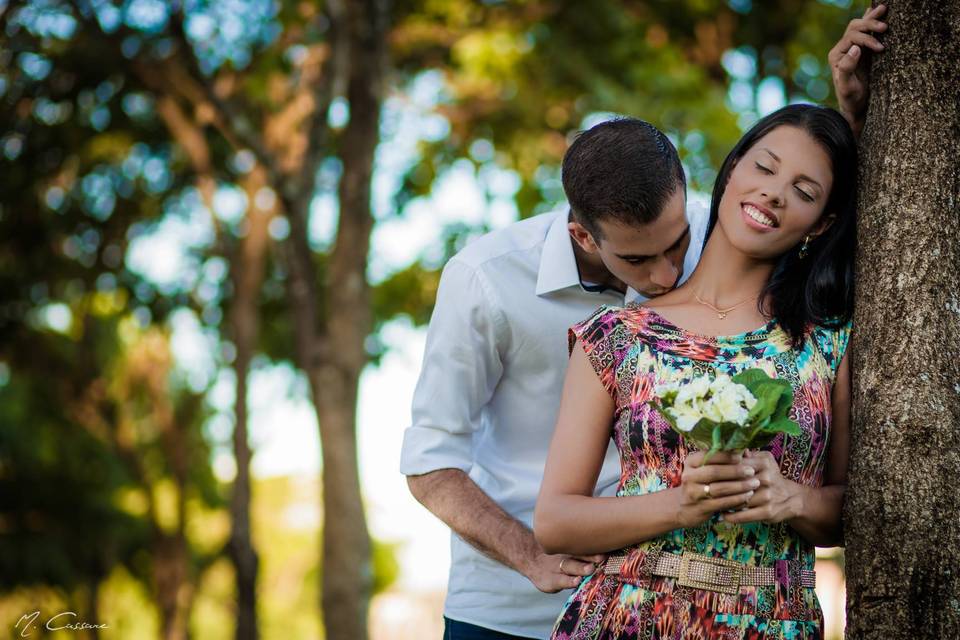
{"x":779,"y":256}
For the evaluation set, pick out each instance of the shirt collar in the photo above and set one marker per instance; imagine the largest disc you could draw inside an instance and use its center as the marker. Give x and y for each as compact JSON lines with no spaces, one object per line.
{"x":558,"y":265}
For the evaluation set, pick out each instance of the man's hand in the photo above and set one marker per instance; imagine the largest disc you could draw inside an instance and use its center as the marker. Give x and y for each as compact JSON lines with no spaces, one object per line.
{"x":455,"y":498}
{"x":850,"y":66}
{"x":552,"y":573}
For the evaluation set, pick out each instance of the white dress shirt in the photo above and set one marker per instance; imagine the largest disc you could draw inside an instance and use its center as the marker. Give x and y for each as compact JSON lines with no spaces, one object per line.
{"x":489,"y":391}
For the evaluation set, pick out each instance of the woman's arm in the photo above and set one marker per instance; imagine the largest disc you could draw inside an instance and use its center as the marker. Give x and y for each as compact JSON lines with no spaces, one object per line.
{"x":568,"y":519}
{"x":815,"y":512}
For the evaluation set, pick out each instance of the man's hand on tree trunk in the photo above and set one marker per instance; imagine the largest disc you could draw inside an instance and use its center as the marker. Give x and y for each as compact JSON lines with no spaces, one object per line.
{"x":850,"y":66}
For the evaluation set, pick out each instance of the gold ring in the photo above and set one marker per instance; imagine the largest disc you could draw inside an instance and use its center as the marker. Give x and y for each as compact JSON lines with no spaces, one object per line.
{"x":706,"y":490}
{"x":562,"y":560}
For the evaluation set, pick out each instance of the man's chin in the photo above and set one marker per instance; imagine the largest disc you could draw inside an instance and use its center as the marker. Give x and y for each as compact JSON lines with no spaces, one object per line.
{"x":654,"y":294}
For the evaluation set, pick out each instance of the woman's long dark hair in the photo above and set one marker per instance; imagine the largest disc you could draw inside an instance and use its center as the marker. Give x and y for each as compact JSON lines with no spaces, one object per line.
{"x":818,"y":288}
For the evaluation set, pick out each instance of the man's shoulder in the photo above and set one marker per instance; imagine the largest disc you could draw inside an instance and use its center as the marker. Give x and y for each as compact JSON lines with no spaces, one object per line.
{"x":521,"y":236}
{"x":698,"y":212}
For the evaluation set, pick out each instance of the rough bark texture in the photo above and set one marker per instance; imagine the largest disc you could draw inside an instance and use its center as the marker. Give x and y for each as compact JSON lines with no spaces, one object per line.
{"x":903,"y":502}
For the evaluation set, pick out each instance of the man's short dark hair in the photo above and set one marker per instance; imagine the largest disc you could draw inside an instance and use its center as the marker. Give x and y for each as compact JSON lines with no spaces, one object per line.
{"x":623,"y":169}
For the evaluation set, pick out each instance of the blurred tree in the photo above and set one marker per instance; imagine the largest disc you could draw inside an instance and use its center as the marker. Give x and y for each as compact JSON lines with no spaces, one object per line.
{"x":133,"y":464}
{"x":155,"y":430}
{"x":903,"y":508}
{"x":92,"y":402}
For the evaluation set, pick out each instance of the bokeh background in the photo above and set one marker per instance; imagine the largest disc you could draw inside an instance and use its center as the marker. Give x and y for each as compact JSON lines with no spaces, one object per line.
{"x":128,"y":201}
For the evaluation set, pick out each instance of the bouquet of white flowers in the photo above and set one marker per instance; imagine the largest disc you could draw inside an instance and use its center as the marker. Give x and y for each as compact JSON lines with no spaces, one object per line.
{"x":723,"y":413}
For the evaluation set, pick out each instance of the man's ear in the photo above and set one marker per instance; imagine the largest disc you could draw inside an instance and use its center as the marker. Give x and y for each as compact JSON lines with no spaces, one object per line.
{"x":582,"y":237}
{"x":825,"y":222}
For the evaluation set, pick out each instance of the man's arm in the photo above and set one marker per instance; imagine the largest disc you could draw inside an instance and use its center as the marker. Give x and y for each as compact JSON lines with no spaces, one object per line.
{"x":453,"y":497}
{"x":461,"y":370}
{"x":850,"y":67}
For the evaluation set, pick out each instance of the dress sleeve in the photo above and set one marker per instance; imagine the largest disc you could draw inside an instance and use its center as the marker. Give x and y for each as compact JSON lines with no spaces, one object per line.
{"x":595,"y":335}
{"x":832,"y":343}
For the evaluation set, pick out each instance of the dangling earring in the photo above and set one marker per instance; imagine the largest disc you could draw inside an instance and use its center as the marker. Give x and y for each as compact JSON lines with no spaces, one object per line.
{"x":805,"y":249}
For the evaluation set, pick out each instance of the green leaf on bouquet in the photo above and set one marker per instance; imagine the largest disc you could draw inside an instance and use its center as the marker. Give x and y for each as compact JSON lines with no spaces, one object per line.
{"x":751,"y":377}
{"x":783,"y":406}
{"x":762,"y":439}
{"x":768,"y":395}
{"x":742,"y":438}
{"x":784,"y":425}
{"x":716,"y":441}
{"x":702,"y":433}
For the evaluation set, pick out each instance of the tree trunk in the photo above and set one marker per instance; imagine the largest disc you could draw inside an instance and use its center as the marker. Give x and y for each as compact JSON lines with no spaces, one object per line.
{"x":347,"y":571}
{"x":174,"y":589}
{"x":247,"y":273}
{"x":902,"y":512}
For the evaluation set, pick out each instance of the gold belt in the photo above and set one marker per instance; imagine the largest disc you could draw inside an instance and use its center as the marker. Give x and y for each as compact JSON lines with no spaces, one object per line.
{"x":703,"y":572}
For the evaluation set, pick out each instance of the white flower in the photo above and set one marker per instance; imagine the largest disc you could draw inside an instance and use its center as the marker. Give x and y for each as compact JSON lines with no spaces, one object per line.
{"x":685,"y":416}
{"x":731,"y":403}
{"x":711,"y":410}
{"x":693,"y":391}
{"x":719,"y":383}
{"x":700,"y":386}
{"x":664,"y":389}
{"x":717,"y":399}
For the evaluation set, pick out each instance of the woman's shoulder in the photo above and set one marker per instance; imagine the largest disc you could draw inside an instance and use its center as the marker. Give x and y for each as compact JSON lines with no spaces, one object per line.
{"x":611,"y":322}
{"x":831,"y":330}
{"x":831,"y":338}
{"x":631,"y":316}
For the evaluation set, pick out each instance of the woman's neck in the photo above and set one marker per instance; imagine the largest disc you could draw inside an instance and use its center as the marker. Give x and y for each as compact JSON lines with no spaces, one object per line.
{"x":725,"y":276}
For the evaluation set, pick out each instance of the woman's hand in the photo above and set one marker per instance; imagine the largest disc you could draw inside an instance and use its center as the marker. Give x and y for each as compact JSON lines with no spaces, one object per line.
{"x":851,"y":68}
{"x":777,"y":499}
{"x":724,"y":483}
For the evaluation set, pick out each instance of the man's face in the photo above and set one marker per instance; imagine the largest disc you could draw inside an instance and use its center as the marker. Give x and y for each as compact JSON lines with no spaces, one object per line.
{"x":648,"y":257}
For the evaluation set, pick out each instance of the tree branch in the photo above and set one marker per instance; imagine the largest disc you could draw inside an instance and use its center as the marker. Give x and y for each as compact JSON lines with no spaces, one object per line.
{"x":332,"y":78}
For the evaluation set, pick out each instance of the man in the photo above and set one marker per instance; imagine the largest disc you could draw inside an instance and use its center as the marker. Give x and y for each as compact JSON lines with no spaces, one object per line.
{"x":488,"y":395}
{"x":489,"y":391}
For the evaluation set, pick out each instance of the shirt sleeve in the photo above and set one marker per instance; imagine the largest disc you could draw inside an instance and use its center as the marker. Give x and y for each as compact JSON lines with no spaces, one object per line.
{"x":595,"y":336}
{"x":461,"y":368}
{"x":698,"y":216}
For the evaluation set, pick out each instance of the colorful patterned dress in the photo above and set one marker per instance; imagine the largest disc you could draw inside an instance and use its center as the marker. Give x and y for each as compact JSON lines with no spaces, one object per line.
{"x":632,"y":349}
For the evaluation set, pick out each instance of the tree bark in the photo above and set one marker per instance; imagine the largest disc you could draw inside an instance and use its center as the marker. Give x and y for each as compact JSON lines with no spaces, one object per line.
{"x":347,"y":571}
{"x":902,"y":513}
{"x":247,"y":270}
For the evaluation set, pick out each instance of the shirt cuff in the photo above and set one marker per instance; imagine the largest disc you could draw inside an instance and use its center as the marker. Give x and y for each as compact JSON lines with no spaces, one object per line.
{"x":427,"y":449}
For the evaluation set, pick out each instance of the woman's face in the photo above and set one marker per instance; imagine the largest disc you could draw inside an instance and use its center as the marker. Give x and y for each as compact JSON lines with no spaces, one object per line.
{"x":776,"y":194}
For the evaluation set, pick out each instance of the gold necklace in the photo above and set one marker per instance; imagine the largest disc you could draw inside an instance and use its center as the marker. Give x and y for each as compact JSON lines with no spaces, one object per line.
{"x":721,"y":313}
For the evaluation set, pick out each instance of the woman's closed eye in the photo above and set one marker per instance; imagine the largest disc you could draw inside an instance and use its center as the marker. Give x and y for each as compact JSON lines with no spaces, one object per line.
{"x":806,"y":197}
